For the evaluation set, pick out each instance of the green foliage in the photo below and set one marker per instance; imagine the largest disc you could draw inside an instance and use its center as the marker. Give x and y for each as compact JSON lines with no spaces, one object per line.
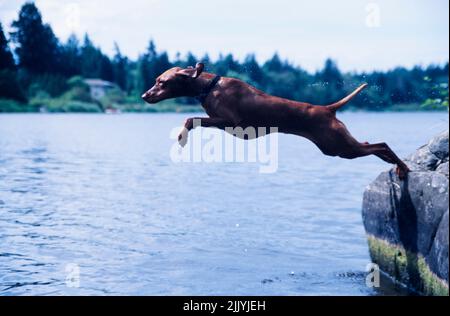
{"x":78,"y":90}
{"x":439,"y":98}
{"x":48,"y":69}
{"x":162,"y":107}
{"x":53,"y":84}
{"x":11,"y":106}
{"x":10,"y":87}
{"x":61,"y":105}
{"x":77,"y":82}
{"x":76,"y":99}
{"x":113,"y":98}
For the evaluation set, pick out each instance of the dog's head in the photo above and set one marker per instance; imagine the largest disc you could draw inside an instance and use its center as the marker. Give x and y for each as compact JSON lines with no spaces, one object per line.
{"x":175,"y":82}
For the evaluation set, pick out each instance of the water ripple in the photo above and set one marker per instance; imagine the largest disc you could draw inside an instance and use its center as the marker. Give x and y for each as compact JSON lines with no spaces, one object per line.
{"x":99,"y":196}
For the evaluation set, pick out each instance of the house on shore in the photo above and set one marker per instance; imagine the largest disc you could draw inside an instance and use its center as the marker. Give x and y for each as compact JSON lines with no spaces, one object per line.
{"x":99,"y":88}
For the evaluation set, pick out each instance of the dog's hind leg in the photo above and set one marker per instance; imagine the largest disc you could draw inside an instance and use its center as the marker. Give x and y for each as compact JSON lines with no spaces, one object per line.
{"x":384,"y":152}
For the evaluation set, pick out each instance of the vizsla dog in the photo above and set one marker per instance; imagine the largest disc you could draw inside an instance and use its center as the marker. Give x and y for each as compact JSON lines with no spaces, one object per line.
{"x":231,"y":102}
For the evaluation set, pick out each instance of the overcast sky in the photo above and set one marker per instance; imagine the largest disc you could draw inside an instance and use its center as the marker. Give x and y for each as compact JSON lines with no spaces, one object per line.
{"x":358,"y":34}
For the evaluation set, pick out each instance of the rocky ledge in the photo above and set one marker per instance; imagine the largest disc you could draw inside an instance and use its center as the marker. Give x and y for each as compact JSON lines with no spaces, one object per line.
{"x":407,"y":221}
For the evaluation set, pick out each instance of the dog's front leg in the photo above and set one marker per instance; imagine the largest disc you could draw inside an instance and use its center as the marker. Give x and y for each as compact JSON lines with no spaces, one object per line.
{"x":194,"y":122}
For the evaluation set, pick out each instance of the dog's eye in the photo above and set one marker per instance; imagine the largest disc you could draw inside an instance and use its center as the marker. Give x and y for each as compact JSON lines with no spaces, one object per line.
{"x":161,"y":83}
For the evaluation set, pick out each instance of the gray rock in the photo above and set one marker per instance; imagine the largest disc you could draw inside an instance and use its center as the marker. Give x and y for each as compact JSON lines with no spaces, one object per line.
{"x":380,"y":207}
{"x":406,"y":212}
{"x":443,"y":168}
{"x":428,"y":193}
{"x":439,"y":145}
{"x":413,"y":215}
{"x":438,"y":256}
{"x":423,"y":159}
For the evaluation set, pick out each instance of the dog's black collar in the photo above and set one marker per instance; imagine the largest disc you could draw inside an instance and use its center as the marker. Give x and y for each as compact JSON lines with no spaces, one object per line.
{"x":202,"y":96}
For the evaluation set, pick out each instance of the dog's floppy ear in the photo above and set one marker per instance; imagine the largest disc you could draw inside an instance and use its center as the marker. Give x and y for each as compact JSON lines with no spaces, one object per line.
{"x":191,"y":71}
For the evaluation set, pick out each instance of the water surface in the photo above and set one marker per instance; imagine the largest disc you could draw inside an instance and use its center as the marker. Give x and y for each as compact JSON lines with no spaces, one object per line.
{"x":100,"y":192}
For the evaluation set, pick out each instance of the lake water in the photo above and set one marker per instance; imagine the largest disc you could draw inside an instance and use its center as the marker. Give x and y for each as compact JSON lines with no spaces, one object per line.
{"x":93,"y":204}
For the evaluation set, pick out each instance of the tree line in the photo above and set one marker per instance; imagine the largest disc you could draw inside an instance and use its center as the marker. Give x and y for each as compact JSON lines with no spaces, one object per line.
{"x":41,"y":64}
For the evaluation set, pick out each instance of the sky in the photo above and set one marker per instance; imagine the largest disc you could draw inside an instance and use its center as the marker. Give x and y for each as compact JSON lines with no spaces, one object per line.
{"x":360,"y":35}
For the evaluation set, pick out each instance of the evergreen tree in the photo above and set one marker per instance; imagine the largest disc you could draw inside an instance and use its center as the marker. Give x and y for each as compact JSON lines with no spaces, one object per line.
{"x":37,"y":48}
{"x":162,"y":63}
{"x":6,"y":57}
{"x":143,"y":78}
{"x":9,"y":85}
{"x":71,"y":57}
{"x":94,"y":64}
{"x":90,"y":59}
{"x":191,"y":60}
{"x":120,"y":68}
{"x":44,"y":65}
{"x":178,"y":62}
{"x":251,"y":67}
{"x":206,"y":60}
{"x":274,"y":64}
{"x":331,"y":74}
{"x":151,"y":50}
{"x":106,"y":68}
{"x":332,"y":81}
{"x":226,"y":64}
{"x":232,"y":64}
{"x":151,"y":66}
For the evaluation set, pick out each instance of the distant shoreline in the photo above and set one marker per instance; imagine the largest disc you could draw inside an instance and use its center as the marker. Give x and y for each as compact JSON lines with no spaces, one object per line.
{"x":9,"y":106}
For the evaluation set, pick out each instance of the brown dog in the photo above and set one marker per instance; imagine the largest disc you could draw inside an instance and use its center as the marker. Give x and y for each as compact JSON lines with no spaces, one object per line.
{"x":233,"y":103}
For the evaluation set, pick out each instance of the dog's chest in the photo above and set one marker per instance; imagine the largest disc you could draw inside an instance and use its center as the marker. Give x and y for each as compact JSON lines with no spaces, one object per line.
{"x":212,"y":104}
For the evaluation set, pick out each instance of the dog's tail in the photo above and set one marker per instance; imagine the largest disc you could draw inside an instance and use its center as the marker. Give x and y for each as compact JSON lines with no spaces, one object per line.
{"x":335,"y":106}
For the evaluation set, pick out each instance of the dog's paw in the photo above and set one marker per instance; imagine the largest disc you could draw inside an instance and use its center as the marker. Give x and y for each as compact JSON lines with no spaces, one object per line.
{"x":402,"y":173}
{"x":183,"y":137}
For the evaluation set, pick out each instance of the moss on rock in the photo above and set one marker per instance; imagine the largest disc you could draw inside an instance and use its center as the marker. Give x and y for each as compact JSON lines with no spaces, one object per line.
{"x":406,"y":267}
